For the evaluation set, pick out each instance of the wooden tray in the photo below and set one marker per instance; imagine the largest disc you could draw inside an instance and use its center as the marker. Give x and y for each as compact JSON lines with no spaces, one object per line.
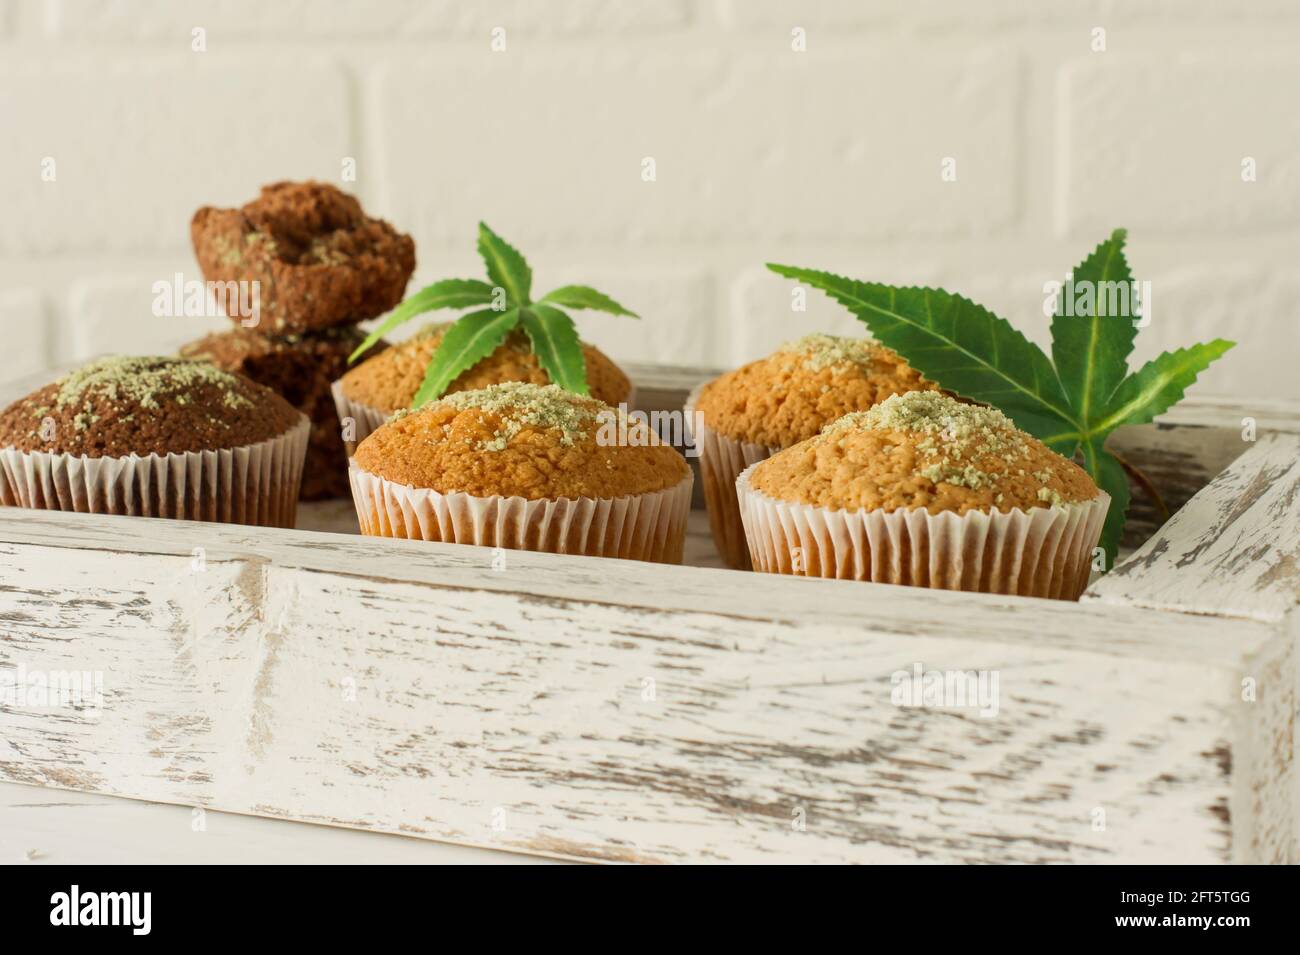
{"x":618,"y":711}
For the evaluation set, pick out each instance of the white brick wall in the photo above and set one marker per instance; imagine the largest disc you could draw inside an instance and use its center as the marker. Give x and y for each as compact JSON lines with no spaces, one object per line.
{"x":828,"y":157}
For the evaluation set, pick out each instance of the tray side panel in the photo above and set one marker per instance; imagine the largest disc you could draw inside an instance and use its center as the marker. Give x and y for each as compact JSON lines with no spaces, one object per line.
{"x":592,"y":730}
{"x":1232,"y":551}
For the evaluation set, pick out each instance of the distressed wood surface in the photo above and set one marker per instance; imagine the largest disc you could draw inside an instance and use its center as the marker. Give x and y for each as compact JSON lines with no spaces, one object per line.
{"x":412,"y":689}
{"x":1233,"y":550}
{"x":609,"y":710}
{"x":62,"y":827}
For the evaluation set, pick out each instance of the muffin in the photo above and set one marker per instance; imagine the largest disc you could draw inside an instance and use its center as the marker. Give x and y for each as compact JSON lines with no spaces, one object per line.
{"x":926,"y":491}
{"x":155,"y":437}
{"x":387,"y":383}
{"x":748,"y":414}
{"x":301,"y":369}
{"x":525,"y":467}
{"x":319,"y":259}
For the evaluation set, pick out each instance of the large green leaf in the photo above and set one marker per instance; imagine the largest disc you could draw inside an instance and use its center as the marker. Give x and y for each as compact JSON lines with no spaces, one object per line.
{"x":555,"y":342}
{"x":471,"y":339}
{"x":1158,"y":385}
{"x":1070,"y":405}
{"x":449,"y":293}
{"x":583,"y":296}
{"x":961,"y":345}
{"x":505,"y":266}
{"x":1093,"y":330}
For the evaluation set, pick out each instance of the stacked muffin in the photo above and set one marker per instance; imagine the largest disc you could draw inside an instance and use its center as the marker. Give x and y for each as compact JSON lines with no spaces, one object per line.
{"x":321,"y":266}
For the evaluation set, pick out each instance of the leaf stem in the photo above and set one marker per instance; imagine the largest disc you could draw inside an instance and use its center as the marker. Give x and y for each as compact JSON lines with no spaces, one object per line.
{"x":1145,"y":483}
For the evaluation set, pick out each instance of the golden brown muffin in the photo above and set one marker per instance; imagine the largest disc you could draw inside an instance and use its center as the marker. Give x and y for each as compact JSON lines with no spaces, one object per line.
{"x":925,"y":491}
{"x":318,"y":259}
{"x":120,"y":406}
{"x":520,"y":440}
{"x":388,"y":381}
{"x":923,"y":450}
{"x":789,"y":396}
{"x":777,"y":402}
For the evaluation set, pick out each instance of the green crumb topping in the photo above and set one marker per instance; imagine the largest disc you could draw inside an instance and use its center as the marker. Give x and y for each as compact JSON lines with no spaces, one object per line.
{"x":1051,"y":497}
{"x":523,"y":405}
{"x":148,"y":382}
{"x":951,"y":434}
{"x":264,"y":239}
{"x":824,"y":351}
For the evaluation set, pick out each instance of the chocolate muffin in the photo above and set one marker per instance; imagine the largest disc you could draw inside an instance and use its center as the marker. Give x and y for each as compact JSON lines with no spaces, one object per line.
{"x":299,"y":368}
{"x":154,"y":436}
{"x":318,"y":259}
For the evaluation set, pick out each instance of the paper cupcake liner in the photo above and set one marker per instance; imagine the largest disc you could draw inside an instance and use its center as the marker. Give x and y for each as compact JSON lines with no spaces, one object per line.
{"x":638,"y":527}
{"x":253,"y":484}
{"x":722,"y":459}
{"x":366,"y":419}
{"x":1042,"y":552}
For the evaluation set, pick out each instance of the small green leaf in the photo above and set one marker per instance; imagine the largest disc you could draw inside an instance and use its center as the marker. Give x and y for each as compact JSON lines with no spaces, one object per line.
{"x":471,"y":339}
{"x":961,"y":345}
{"x":449,"y":293}
{"x":1158,"y":385}
{"x":1091,"y":344}
{"x":505,"y":267}
{"x":583,"y":296}
{"x":1110,"y":476}
{"x":555,"y":342}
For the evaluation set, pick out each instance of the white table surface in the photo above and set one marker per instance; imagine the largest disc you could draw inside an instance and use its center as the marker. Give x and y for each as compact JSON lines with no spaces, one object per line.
{"x":59,"y":827}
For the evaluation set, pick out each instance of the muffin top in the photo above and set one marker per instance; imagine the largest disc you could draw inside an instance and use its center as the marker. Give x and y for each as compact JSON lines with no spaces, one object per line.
{"x":122,"y":405}
{"x":519,"y":439}
{"x":792,"y":394}
{"x":388,"y":381}
{"x":923,"y":449}
{"x":320,"y":259}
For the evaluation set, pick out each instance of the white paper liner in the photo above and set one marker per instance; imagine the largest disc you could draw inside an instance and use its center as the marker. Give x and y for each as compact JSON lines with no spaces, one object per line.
{"x":722,"y":459}
{"x":253,"y":484}
{"x":638,"y":527}
{"x":1042,"y":552}
{"x":366,"y":419}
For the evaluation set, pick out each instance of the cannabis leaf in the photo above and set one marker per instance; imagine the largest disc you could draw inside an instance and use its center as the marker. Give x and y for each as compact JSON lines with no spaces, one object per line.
{"x":580,"y":296}
{"x":1070,"y":402}
{"x":556,"y":345}
{"x":473,"y":337}
{"x":449,"y":293}
{"x":465,"y":344}
{"x":1090,"y":347}
{"x":982,"y":355}
{"x":505,"y":266}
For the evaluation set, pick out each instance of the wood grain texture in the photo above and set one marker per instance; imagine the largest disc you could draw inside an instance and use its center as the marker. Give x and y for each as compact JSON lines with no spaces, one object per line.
{"x":63,"y":827}
{"x":415,"y":690}
{"x":1233,"y":550}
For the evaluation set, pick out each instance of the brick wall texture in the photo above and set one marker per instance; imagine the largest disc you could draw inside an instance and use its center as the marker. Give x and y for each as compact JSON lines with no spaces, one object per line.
{"x":814,"y":134}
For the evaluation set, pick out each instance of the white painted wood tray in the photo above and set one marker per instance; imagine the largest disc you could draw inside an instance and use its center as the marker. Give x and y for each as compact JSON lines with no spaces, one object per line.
{"x":610,"y":710}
